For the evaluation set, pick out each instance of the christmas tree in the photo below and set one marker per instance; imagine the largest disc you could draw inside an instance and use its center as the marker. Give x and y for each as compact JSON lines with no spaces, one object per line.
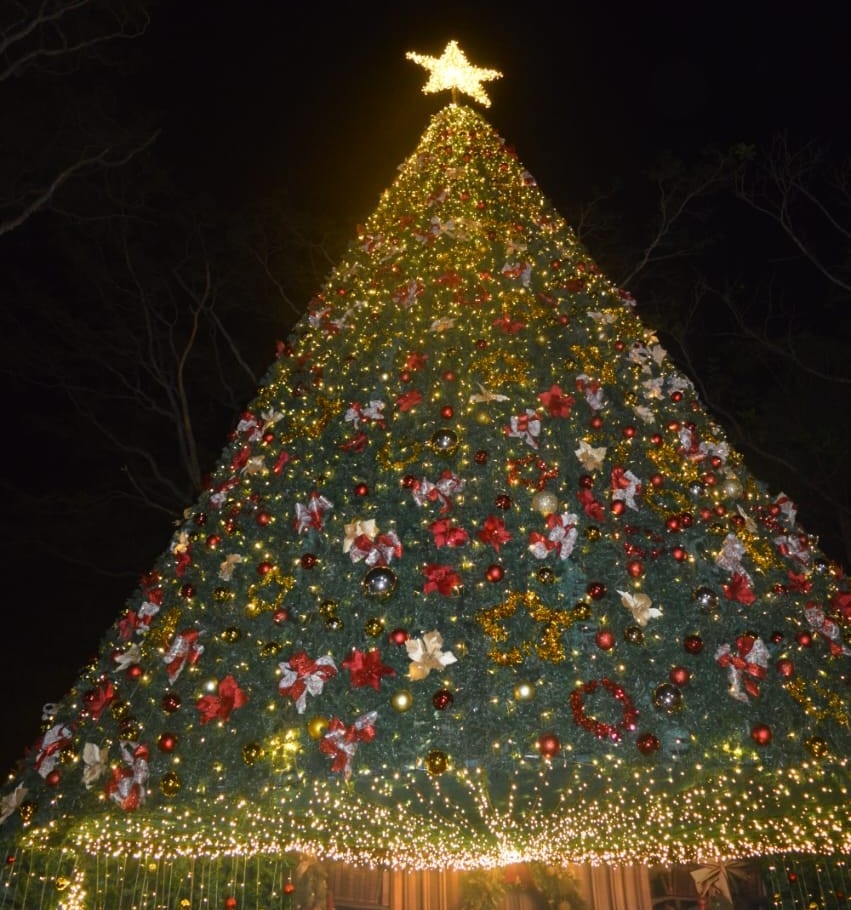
{"x":476,"y":581}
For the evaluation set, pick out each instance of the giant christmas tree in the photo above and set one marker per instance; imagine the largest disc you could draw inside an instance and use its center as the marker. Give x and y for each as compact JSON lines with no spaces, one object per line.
{"x":477,"y":580}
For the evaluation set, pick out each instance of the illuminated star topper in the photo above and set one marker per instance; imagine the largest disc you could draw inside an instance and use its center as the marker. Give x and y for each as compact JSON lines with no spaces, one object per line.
{"x":453,"y":71}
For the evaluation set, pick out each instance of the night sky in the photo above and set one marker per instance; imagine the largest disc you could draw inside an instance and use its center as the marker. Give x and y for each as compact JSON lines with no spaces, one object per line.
{"x":317,"y":106}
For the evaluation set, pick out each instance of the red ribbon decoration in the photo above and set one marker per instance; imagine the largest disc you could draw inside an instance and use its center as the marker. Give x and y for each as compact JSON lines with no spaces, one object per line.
{"x":750,"y":673}
{"x":443,"y":579}
{"x":219,"y":706}
{"x":342,"y":742}
{"x":493,"y":532}
{"x":447,"y":535}
{"x":599,"y":728}
{"x":739,"y":589}
{"x":366,"y":669}
{"x":593,"y":509}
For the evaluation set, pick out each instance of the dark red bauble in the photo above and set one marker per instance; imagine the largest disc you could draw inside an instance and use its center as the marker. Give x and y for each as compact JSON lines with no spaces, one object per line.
{"x":268,"y":437}
{"x":263,"y":518}
{"x":187,"y":591}
{"x":716,"y":462}
{"x":679,"y":676}
{"x":629,"y":431}
{"x":647,"y":744}
{"x":676,"y":396}
{"x":405,"y":376}
{"x":657,"y":480}
{"x":804,"y":639}
{"x":596,"y":590}
{"x":230,"y":903}
{"x":686,"y":520}
{"x":564,"y":319}
{"x":408,"y":481}
{"x":617,"y":507}
{"x":720,"y":510}
{"x":596,"y":422}
{"x":213,"y":541}
{"x":447,"y":412}
{"x":761,"y":734}
{"x":230,"y":525}
{"x":289,"y":887}
{"x":503,"y":501}
{"x":709,"y":479}
{"x":635,"y":568}
{"x":309,"y":560}
{"x":549,"y":745}
{"x":442,"y":699}
{"x":167,"y":742}
{"x":619,"y":346}
{"x":481,"y":457}
{"x":586,"y":481}
{"x":200,"y":519}
{"x":555,"y":264}
{"x":398,"y":637}
{"x":605,"y":639}
{"x":170,"y":702}
{"x":693,"y":644}
{"x":495,"y":572}
{"x":776,"y":637}
{"x":679,"y":554}
{"x":54,"y":778}
{"x":134,"y":671}
{"x":672,"y":523}
{"x":674,"y":426}
{"x":281,"y":616}
{"x":361,"y":489}
{"x":264,"y":568}
{"x":481,"y":344}
{"x":706,"y":514}
{"x":656,"y":439}
{"x":792,"y":877}
{"x":785,"y":667}
{"x":10,"y":859}
{"x":449,"y":376}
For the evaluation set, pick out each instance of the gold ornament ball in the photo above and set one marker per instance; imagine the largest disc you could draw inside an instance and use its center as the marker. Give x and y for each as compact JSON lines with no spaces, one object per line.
{"x":63,"y":883}
{"x":524,"y":691}
{"x":436,"y":762}
{"x":223,"y":594}
{"x":231,"y":636}
{"x":374,"y":627}
{"x":328,"y":609}
{"x":591,"y":533}
{"x":251,"y":753}
{"x":546,"y":576}
{"x":253,"y":609}
{"x":817,"y":746}
{"x":581,"y":611}
{"x":317,"y":726}
{"x":545,"y":502}
{"x":402,"y":701}
{"x":185,"y":903}
{"x":170,"y":783}
{"x":732,"y":487}
{"x":271,"y":648}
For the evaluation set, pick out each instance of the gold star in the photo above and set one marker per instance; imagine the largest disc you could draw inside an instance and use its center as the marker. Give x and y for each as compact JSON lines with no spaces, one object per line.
{"x":453,"y":71}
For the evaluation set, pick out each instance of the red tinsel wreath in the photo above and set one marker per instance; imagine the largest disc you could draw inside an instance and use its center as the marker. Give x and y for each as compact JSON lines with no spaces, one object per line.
{"x":600,"y":729}
{"x":545,"y":472}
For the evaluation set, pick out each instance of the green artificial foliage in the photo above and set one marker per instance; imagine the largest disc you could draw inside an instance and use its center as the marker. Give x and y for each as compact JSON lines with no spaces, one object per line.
{"x":477,"y":580}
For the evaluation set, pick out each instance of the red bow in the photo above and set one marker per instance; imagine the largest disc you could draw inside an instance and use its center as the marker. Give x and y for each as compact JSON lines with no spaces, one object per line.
{"x":219,"y":706}
{"x":126,"y":787}
{"x":593,"y":509}
{"x":356,"y":444}
{"x":342,"y":741}
{"x":184,"y":649}
{"x":446,"y":535}
{"x":556,"y":401}
{"x":408,"y":400}
{"x":748,"y":672}
{"x":98,"y":699}
{"x":739,"y":589}
{"x":493,"y":532}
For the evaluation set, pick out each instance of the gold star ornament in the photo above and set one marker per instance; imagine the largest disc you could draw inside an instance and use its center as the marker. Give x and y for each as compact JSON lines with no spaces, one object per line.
{"x":453,"y":72}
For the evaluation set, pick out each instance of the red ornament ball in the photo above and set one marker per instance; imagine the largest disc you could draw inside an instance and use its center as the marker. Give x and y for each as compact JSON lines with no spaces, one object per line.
{"x":167,"y":742}
{"x":134,"y":671}
{"x":586,"y":481}
{"x":503,"y":501}
{"x":635,"y":568}
{"x":442,"y":699}
{"x":361,"y":489}
{"x":481,"y":457}
{"x":230,"y":903}
{"x":596,"y":590}
{"x":677,"y":396}
{"x":495,"y":573}
{"x":679,"y":554}
{"x":449,"y":376}
{"x":617,"y":507}
{"x":187,"y":591}
{"x":596,"y":422}
{"x":619,"y":346}
{"x":447,"y":412}
{"x":629,"y":431}
{"x":709,"y":479}
{"x":549,"y":745}
{"x":263,"y":518}
{"x":605,"y":639}
{"x":289,"y":887}
{"x":776,"y":637}
{"x":398,"y":637}
{"x":693,"y":644}
{"x":792,"y":877}
{"x":686,"y":520}
{"x":679,"y":676}
{"x":481,"y":344}
{"x":309,"y":560}
{"x":785,"y":667}
{"x":656,"y":439}
{"x":170,"y":702}
{"x":409,"y":481}
{"x":264,"y":568}
{"x":213,"y":541}
{"x":53,"y":779}
{"x":281,"y":616}
{"x":647,"y":744}
{"x":404,"y":376}
{"x":761,"y":734}
{"x":657,"y":480}
{"x":672,"y":523}
{"x":804,"y":639}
